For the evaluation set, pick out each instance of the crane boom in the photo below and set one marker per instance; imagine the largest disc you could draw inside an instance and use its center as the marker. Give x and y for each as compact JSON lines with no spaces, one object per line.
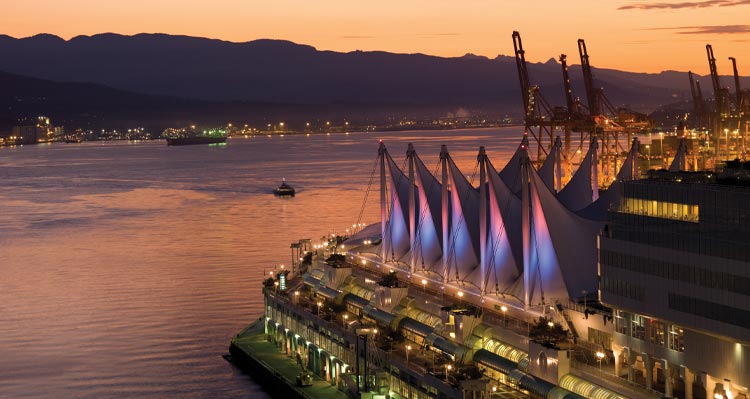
{"x":700,"y":95}
{"x":523,"y":73}
{"x":697,"y":96}
{"x":572,"y":107}
{"x":588,"y":79}
{"x":738,"y":90}
{"x":718,"y":97}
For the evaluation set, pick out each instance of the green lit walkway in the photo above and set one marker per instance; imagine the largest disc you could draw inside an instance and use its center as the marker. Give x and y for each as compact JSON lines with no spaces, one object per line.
{"x":252,"y":342}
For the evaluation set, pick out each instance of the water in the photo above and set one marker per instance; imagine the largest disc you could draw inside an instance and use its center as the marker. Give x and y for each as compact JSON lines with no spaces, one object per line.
{"x":126,"y":267}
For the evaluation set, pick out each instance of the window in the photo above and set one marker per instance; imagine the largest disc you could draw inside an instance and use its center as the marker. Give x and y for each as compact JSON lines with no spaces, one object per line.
{"x":676,"y":338}
{"x":656,"y":332}
{"x":621,"y":322}
{"x":637,"y":329}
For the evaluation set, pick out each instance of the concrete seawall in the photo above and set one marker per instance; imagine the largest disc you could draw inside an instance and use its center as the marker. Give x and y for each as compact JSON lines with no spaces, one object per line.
{"x":273,"y":370}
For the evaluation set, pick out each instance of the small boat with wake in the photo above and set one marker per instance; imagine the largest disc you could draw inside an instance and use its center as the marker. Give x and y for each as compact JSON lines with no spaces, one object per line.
{"x":284,"y":190}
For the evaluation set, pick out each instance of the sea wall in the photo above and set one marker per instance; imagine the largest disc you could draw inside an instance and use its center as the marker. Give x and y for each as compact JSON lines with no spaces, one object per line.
{"x":271,"y":380}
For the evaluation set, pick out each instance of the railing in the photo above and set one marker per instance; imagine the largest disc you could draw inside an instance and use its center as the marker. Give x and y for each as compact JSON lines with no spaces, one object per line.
{"x":581,"y":308}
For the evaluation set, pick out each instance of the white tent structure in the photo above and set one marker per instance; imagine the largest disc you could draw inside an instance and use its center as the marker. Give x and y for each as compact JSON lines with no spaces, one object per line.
{"x":513,"y":232}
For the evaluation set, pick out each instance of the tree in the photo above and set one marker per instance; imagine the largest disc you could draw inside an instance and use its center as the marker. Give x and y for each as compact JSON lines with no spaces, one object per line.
{"x":389,"y":280}
{"x":548,"y":335}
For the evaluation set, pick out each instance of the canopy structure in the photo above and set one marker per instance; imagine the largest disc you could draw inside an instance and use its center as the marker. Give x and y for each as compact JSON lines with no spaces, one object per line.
{"x":426,"y":248}
{"x":511,"y":173}
{"x":502,"y":254}
{"x":582,"y":189}
{"x":551,"y":169}
{"x":629,"y":171}
{"x":462,"y":255}
{"x":395,"y":233}
{"x":509,"y":233}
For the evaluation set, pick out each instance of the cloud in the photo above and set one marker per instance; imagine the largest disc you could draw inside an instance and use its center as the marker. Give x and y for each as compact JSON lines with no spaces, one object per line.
{"x":685,"y":4}
{"x":710,"y":29}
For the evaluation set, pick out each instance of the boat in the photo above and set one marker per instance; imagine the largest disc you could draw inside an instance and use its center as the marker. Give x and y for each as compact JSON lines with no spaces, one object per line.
{"x":190,"y":135}
{"x":192,"y":140}
{"x":284,"y":189}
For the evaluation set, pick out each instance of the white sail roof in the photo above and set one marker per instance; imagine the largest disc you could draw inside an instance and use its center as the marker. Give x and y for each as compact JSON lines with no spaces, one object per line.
{"x":629,"y":171}
{"x":504,"y":254}
{"x":396,"y":237}
{"x":511,"y":173}
{"x":428,"y":249}
{"x":578,"y":193}
{"x":547,"y":170}
{"x":564,"y":254}
{"x":463,"y":251}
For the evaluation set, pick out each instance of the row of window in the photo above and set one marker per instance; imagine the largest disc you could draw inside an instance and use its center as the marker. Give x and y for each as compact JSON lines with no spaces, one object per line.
{"x":622,"y":288}
{"x":676,"y":271}
{"x":719,"y":204}
{"x":657,"y":332}
{"x":685,"y":237}
{"x":660,"y":209}
{"x":710,"y":310}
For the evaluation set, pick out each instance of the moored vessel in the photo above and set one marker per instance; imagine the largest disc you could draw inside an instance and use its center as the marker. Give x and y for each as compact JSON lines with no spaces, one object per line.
{"x":193,"y":140}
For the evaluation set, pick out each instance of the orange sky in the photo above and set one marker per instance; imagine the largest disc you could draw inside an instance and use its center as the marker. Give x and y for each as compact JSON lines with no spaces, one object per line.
{"x":648,"y":36}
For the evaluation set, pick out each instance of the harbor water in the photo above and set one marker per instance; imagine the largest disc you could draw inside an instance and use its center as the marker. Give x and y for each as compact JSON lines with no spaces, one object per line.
{"x":127,"y":267}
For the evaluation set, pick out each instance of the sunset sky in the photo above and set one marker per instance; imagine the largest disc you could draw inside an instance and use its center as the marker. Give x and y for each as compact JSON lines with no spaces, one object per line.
{"x":647,"y":36}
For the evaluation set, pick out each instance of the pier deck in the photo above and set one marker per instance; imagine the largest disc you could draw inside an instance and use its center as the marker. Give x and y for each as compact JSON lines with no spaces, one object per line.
{"x":262,"y":357}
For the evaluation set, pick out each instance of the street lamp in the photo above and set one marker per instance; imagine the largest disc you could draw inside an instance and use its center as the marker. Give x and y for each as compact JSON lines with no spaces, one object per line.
{"x":448,"y":368}
{"x":504,"y":309}
{"x":424,"y":285}
{"x":319,"y":305}
{"x":346,"y":316}
{"x":408,"y":348}
{"x":648,"y":157}
{"x":599,"y":358}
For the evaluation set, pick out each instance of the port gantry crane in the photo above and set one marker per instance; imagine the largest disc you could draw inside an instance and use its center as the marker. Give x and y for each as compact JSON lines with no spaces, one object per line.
{"x":613,"y":127}
{"x":537,"y":113}
{"x":542,"y":121}
{"x":598,"y":118}
{"x":729,"y":114}
{"x":742,"y":101}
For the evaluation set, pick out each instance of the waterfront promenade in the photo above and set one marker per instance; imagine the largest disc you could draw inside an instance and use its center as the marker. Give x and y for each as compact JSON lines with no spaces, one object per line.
{"x":252,"y":342}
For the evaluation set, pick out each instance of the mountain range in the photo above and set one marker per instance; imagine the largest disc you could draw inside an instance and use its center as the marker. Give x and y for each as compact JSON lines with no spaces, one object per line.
{"x":167,"y":77}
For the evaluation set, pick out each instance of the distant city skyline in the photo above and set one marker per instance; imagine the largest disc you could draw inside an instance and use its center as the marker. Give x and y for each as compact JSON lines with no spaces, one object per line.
{"x":639,"y":36}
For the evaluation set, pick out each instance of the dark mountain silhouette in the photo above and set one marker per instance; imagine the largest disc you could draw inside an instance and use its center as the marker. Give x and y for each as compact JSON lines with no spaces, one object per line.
{"x":285,"y":72}
{"x":183,"y":78}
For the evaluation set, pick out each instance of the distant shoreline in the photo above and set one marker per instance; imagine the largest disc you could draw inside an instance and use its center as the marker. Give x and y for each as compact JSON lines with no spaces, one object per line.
{"x":290,"y":133}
